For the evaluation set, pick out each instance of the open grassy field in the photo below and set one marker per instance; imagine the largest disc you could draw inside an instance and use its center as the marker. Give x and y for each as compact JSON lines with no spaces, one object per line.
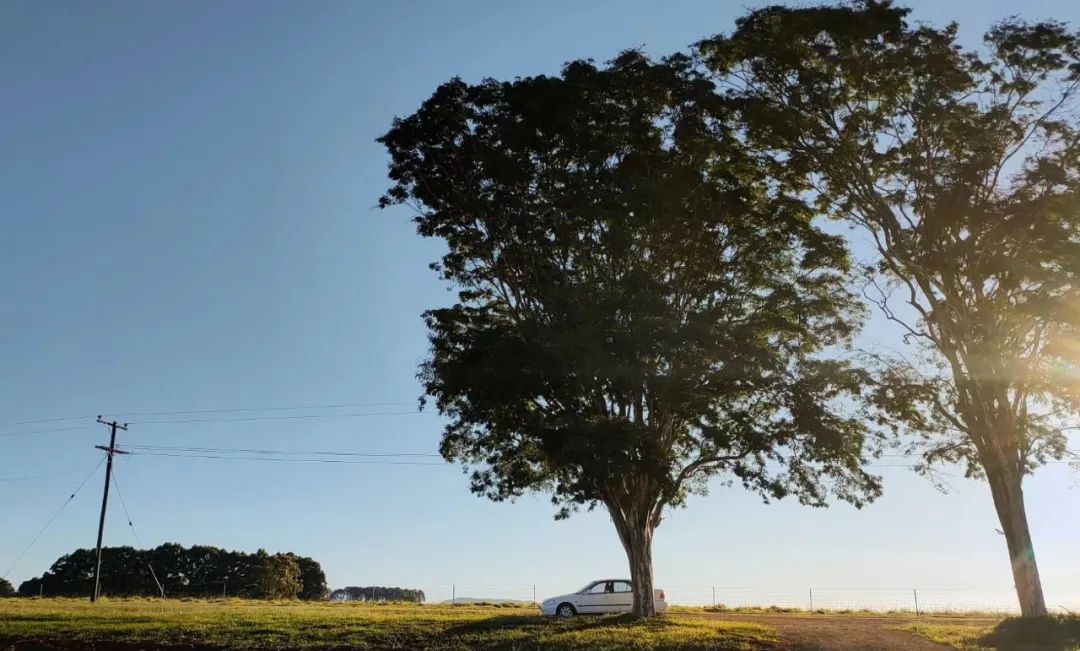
{"x":236,"y":624}
{"x":195,"y":625}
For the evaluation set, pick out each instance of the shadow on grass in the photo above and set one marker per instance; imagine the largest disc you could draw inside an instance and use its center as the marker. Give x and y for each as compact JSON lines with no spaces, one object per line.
{"x":537,"y":623}
{"x":606,"y":633}
{"x":82,"y":645}
{"x":1035,"y":634}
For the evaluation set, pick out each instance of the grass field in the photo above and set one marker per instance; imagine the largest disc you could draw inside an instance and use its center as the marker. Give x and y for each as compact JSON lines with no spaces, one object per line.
{"x":1050,"y":634}
{"x":846,"y":612}
{"x":237,"y":624}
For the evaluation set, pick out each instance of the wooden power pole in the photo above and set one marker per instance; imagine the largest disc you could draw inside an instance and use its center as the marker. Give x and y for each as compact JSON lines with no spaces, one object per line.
{"x":110,"y":451}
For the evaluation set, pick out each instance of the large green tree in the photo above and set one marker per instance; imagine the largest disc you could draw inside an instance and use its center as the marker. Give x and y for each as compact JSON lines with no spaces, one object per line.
{"x":638,"y":309}
{"x":312,"y":579}
{"x":963,"y":168}
{"x":274,"y":576}
{"x":6,"y":589}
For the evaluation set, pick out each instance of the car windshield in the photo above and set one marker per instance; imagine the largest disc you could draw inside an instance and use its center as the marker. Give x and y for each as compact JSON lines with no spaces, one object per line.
{"x":587,"y":586}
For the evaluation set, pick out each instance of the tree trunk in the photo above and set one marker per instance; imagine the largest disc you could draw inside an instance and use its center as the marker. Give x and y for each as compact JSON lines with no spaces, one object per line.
{"x":1009,"y":501}
{"x":636,"y":533}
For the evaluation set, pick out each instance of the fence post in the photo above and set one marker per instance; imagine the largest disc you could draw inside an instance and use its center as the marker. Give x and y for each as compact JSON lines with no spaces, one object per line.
{"x":915,"y":592}
{"x":811,"y":599}
{"x":714,"y":595}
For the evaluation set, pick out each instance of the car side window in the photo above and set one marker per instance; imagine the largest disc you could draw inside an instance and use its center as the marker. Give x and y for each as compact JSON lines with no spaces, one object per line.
{"x":622,"y":586}
{"x":596,"y":589}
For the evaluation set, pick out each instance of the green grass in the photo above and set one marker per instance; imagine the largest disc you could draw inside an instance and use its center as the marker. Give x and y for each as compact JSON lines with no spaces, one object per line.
{"x":1014,"y":634}
{"x":237,"y":624}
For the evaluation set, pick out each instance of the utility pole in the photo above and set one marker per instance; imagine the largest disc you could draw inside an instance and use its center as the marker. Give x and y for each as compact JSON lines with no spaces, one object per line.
{"x":110,"y":451}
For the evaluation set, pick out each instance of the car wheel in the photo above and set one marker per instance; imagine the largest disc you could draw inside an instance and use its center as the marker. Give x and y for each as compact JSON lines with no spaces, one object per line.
{"x":565,"y":610}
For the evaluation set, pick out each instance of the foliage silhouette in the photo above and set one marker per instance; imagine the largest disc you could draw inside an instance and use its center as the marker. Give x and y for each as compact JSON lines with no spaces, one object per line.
{"x":377,"y":593}
{"x":197,"y":571}
{"x":639,"y":307}
{"x":963,"y":167}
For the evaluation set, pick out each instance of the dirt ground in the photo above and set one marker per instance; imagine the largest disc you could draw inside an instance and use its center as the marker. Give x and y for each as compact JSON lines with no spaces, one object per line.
{"x":849,"y":633}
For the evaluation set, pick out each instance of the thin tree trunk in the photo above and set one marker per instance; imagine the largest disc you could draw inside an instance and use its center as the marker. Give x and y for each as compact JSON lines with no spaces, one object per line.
{"x":636,"y":533}
{"x":1009,"y":501}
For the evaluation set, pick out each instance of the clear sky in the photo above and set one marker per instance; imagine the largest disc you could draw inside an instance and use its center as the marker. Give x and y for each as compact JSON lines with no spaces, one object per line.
{"x":187,"y":195}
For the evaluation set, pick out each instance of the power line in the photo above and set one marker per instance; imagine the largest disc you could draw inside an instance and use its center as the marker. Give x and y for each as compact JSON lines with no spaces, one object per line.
{"x":279,"y":459}
{"x":238,"y":409}
{"x":127,"y":514}
{"x":221,"y":420}
{"x":205,"y":453}
{"x":253,"y":418}
{"x":49,"y":420}
{"x":184,"y":411}
{"x":180,"y":454}
{"x":368,"y":454}
{"x":53,"y":518}
{"x":44,"y":431}
{"x":135,"y":534}
{"x":42,"y":476}
{"x":210,"y":411}
{"x":923,"y":454}
{"x":167,"y":448}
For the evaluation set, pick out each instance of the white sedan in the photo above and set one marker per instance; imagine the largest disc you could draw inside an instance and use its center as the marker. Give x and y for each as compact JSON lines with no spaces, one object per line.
{"x":604,"y":596}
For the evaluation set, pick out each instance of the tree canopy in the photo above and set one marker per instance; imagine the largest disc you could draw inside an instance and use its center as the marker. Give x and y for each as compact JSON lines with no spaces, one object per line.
{"x":377,"y":593}
{"x":963,"y":166}
{"x":196,"y":571}
{"x":6,"y":589}
{"x":640,"y":306}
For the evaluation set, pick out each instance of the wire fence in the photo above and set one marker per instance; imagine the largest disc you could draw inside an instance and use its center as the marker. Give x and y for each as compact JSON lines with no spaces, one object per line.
{"x":914,"y":600}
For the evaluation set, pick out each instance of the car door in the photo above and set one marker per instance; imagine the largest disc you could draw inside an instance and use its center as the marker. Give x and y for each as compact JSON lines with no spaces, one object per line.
{"x":594,"y":598}
{"x":621,"y":599}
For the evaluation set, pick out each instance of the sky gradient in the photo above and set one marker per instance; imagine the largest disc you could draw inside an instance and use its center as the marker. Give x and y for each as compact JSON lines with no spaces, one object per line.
{"x":188,"y":219}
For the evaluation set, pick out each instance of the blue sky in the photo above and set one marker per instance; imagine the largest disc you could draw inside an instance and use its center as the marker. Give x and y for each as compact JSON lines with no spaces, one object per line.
{"x":187,"y":197}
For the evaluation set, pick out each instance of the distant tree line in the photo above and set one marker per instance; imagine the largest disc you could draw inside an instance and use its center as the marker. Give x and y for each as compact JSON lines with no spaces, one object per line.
{"x":377,"y":593}
{"x":197,"y":571}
